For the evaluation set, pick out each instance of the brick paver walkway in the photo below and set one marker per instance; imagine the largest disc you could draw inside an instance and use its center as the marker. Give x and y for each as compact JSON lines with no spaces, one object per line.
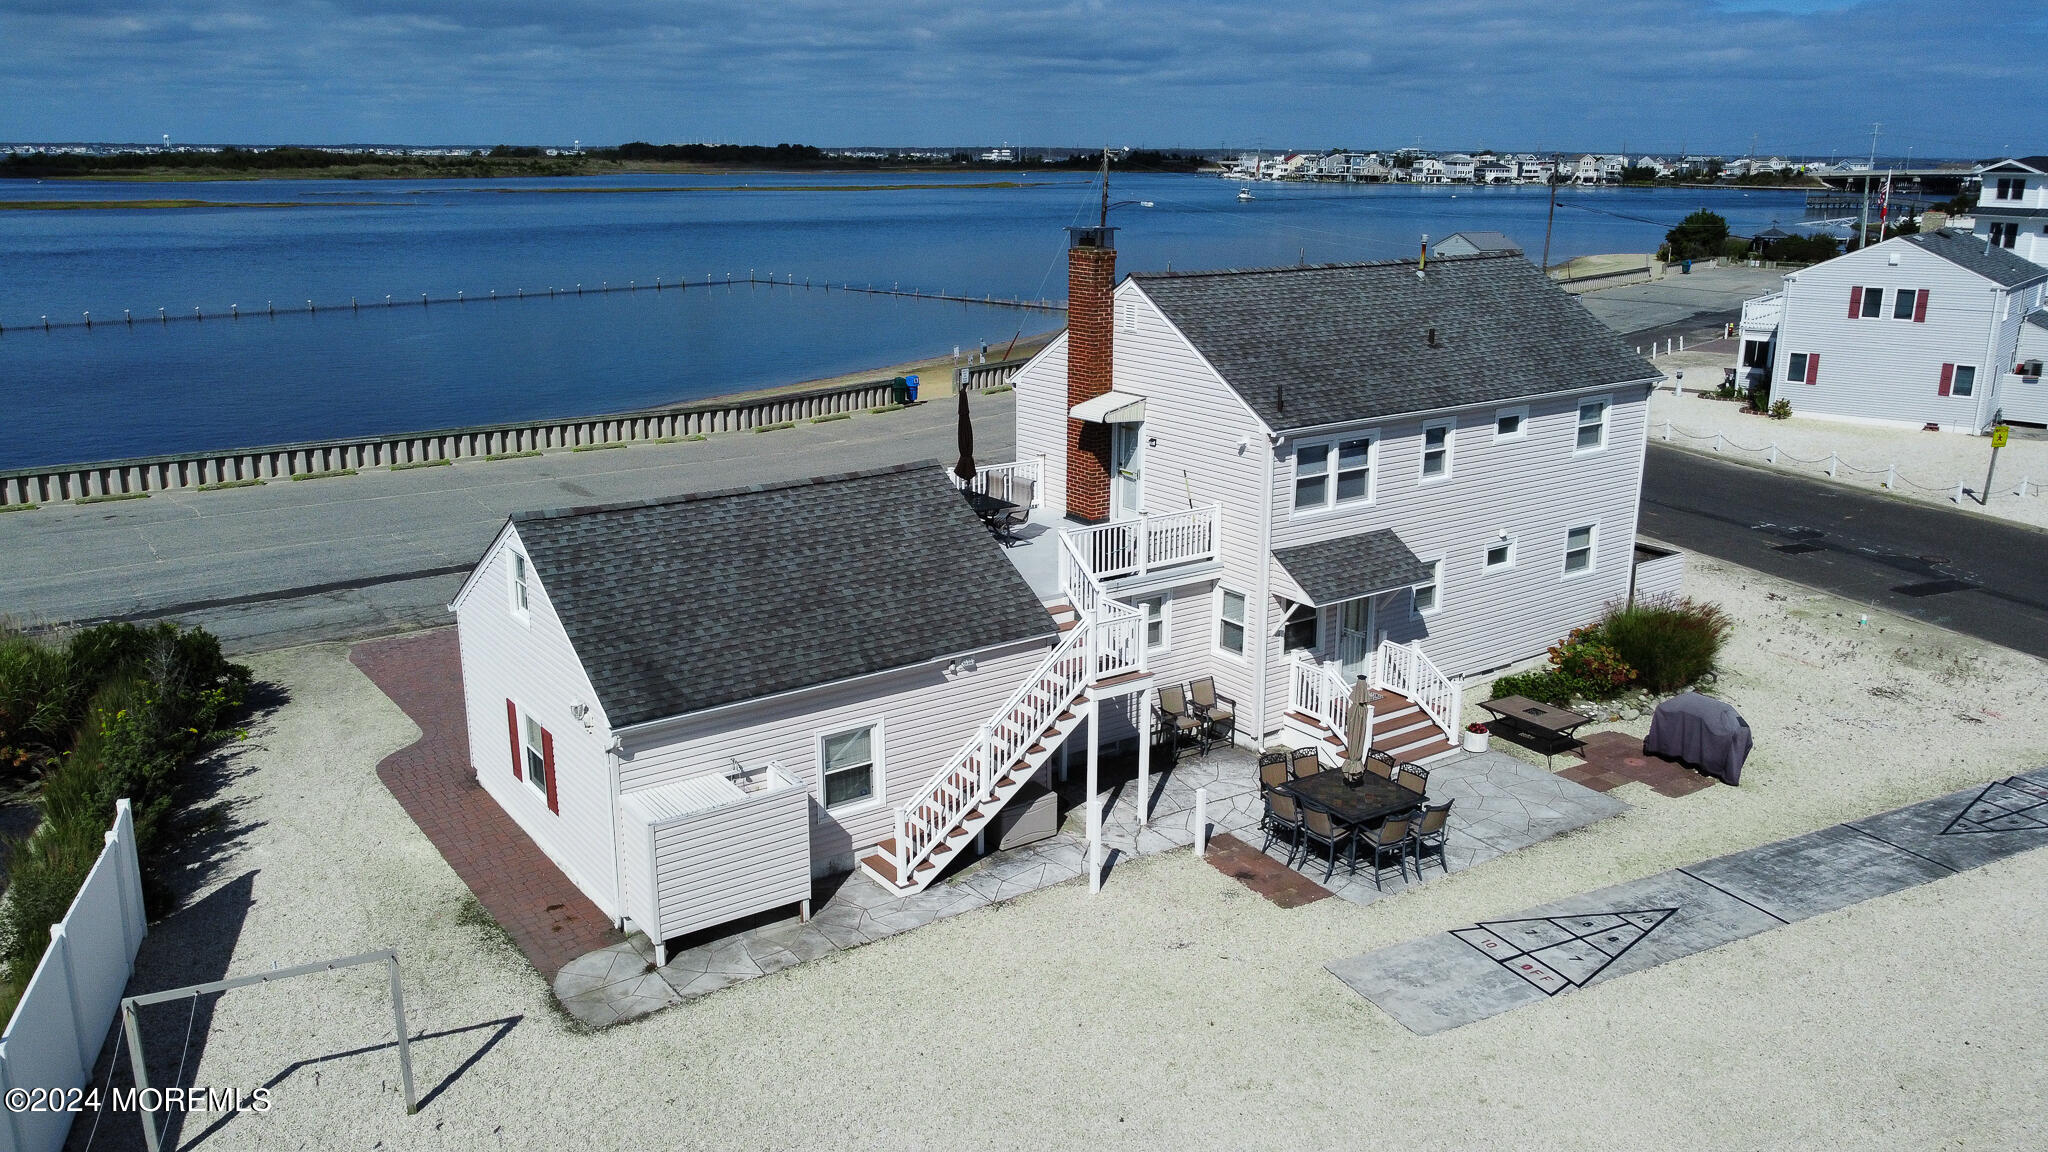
{"x":550,"y":920}
{"x":1617,"y":758}
{"x":1263,"y":874}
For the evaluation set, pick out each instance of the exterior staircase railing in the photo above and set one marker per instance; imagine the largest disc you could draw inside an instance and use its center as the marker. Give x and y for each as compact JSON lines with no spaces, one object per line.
{"x":1146,"y":543}
{"x":1403,"y":668}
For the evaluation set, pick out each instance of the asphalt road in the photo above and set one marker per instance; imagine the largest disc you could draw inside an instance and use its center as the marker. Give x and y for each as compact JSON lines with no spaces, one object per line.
{"x":1980,"y":576}
{"x":354,"y":556}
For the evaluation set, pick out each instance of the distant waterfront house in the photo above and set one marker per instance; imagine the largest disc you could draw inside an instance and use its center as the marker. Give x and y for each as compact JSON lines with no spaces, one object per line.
{"x":1492,"y":171}
{"x":2012,"y":207}
{"x":1475,"y":244}
{"x":1458,"y":168}
{"x":1921,"y":329}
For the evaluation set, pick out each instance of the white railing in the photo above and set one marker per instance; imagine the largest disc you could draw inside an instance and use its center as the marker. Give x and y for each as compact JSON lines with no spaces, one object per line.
{"x":1005,"y":481}
{"x":1403,"y":668}
{"x":1137,"y":546}
{"x":1764,"y":311}
{"x":69,"y":1003}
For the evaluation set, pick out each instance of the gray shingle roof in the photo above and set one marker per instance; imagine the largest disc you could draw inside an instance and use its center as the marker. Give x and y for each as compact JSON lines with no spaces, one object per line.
{"x":1971,"y":252}
{"x":2015,"y":210}
{"x":679,"y":605}
{"x":1483,"y":241}
{"x":1328,"y":344}
{"x":2038,"y":318}
{"x":1352,"y":566}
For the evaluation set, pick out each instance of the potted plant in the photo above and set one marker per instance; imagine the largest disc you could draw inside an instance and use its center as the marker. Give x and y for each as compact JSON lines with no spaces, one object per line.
{"x":1475,"y":737}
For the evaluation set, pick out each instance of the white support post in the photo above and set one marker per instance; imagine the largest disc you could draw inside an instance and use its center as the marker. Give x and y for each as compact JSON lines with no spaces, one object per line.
{"x":1891,"y":474}
{"x":1667,"y":430}
{"x":1094,"y":844}
{"x":1144,"y":754}
{"x":1833,"y":462}
{"x":1771,"y":454}
{"x":1959,"y":492}
{"x":1202,"y":821}
{"x":1094,"y":794}
{"x":1717,"y":441}
{"x":1681,"y":343}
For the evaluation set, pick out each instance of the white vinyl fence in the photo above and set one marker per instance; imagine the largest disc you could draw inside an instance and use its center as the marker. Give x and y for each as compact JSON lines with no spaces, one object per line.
{"x":51,"y":1043}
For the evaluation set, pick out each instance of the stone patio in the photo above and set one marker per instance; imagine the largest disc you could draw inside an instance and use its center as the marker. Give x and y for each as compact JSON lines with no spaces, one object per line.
{"x":1501,"y":804}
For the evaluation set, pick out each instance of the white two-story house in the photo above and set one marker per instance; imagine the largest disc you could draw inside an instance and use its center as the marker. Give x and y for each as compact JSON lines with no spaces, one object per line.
{"x":1919,"y":330}
{"x":2012,"y":207}
{"x":1304,"y":475}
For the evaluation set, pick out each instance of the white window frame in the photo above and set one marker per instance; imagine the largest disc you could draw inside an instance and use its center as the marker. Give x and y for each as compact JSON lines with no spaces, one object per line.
{"x":1315,"y":617}
{"x":1157,"y":610}
{"x":877,"y":767}
{"x":1436,"y":585}
{"x":1911,"y":297}
{"x":533,"y":752}
{"x":1871,"y":306}
{"x":1592,"y":551}
{"x":1521,"y":414}
{"x":1333,"y":473}
{"x":1579,"y":425}
{"x":1450,"y":430}
{"x":1956,"y":387}
{"x":1244,"y":624}
{"x":519,"y":585}
{"x":1486,"y":555}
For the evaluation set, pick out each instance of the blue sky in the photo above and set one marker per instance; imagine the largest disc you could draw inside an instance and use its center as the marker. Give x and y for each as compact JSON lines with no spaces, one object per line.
{"x":1805,"y":76}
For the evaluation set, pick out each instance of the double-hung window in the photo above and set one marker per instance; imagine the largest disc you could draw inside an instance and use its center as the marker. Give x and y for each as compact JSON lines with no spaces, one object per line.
{"x":533,"y":750}
{"x":1332,"y":472}
{"x":1578,"y":549}
{"x":1311,"y":476}
{"x":1436,"y":450}
{"x":1873,"y":303}
{"x":1902,"y":303}
{"x":521,"y":603}
{"x":1592,"y":425}
{"x":1154,"y":608}
{"x":1230,"y":621}
{"x":847,"y":766}
{"x":1965,"y":380}
{"x":1429,"y":594}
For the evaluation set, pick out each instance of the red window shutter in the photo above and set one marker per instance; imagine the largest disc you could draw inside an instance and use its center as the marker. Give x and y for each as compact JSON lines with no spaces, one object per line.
{"x":547,"y":759}
{"x":1813,"y":368}
{"x":1920,"y":308}
{"x":1948,"y":378}
{"x":512,"y":724}
{"x":1855,"y":303}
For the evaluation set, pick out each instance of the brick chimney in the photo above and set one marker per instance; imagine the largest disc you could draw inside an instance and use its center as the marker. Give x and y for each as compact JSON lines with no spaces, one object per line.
{"x":1091,"y":281}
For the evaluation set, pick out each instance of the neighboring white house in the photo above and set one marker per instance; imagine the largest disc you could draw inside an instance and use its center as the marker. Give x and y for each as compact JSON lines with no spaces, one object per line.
{"x":1917,"y":330}
{"x":1313,"y":474}
{"x":2012,"y":207}
{"x":1458,"y":168}
{"x":1474,"y":244}
{"x":1532,"y":169}
{"x":1493,"y":171}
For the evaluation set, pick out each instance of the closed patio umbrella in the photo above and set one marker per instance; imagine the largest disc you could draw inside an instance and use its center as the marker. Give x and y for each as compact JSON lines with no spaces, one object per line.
{"x":1355,"y":736}
{"x":965,"y":468}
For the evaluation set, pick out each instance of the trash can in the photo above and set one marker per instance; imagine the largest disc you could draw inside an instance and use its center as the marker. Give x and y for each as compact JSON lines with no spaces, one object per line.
{"x":910,"y":388}
{"x":899,"y":391}
{"x":1686,"y":268}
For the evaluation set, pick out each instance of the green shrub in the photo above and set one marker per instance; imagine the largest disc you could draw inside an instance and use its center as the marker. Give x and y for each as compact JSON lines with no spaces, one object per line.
{"x":1545,"y":685}
{"x":1591,"y":665}
{"x":1670,"y":644}
{"x":1781,"y":409}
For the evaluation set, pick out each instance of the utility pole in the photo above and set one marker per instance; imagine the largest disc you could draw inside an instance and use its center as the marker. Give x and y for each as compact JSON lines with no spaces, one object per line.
{"x":1550,"y":220}
{"x":1863,"y":227}
{"x":1105,"y":188}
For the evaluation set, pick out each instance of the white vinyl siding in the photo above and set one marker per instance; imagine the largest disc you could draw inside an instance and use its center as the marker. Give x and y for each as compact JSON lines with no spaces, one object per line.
{"x":531,"y":663}
{"x":925,"y":716}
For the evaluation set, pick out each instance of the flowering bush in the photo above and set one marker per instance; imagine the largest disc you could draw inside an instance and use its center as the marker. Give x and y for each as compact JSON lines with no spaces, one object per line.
{"x":1476,"y":728}
{"x":1587,"y":660}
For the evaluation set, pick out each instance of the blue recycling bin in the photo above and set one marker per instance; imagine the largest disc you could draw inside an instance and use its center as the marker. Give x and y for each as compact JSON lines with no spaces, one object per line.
{"x":910,"y":388}
{"x":1687,"y":268}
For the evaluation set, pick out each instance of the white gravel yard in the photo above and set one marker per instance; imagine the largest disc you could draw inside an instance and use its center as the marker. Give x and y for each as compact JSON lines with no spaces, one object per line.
{"x":1928,"y":464}
{"x":1177,"y":1009}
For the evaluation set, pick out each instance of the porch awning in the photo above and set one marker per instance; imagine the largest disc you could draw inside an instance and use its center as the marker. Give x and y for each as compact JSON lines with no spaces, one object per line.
{"x":1110,"y":408}
{"x":1332,"y":571}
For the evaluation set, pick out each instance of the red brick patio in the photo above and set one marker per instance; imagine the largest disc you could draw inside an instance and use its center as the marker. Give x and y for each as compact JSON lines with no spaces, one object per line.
{"x":550,"y":920}
{"x":1263,"y":874}
{"x":1617,"y":758}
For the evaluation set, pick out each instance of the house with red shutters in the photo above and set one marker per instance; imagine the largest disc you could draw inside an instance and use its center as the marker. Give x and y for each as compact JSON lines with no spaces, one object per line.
{"x":1922,"y":330}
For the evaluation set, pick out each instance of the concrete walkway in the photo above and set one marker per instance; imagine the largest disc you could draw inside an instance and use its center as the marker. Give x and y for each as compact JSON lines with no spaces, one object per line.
{"x":1481,"y":970}
{"x":1501,"y":804}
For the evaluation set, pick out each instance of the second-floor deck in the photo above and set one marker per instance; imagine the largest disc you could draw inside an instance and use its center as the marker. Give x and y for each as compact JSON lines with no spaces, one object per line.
{"x":1128,"y":551}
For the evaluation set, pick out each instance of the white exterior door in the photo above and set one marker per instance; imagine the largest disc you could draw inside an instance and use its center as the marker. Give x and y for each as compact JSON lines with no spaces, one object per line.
{"x":1126,"y":468}
{"x":1356,"y":637}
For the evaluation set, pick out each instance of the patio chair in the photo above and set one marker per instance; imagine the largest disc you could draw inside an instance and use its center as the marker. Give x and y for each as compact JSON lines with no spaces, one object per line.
{"x":1303,"y":762}
{"x":1282,"y":821}
{"x":1218,"y":711}
{"x":1018,"y":513}
{"x":1319,"y":827}
{"x":1431,"y":832}
{"x":1177,"y":721}
{"x":1414,"y":779}
{"x":1390,"y":837}
{"x":1272,"y":769}
{"x":1381,"y":764}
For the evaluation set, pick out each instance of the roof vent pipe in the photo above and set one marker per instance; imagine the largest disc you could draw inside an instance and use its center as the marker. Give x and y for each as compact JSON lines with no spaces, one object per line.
{"x":1432,"y":338}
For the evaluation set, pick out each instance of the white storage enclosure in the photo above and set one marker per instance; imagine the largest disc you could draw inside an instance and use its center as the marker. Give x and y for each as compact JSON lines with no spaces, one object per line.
{"x":712,"y":848}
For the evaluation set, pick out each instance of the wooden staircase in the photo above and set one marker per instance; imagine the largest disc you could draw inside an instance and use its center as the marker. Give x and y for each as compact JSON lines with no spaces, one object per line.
{"x":1094,"y":654}
{"x":1400,"y":728}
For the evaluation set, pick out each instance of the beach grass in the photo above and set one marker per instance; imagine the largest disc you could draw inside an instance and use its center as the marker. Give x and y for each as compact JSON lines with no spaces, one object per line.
{"x":109,"y":497}
{"x":19,"y":507}
{"x":513,"y":455}
{"x":329,"y":474}
{"x":412,"y":464}
{"x":831,"y":416}
{"x":226,"y":484}
{"x":595,"y":447}
{"x":775,"y":427}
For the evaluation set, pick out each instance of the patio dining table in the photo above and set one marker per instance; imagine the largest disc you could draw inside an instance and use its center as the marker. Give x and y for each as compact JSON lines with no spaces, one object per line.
{"x":989,"y":508}
{"x":1367,"y":802}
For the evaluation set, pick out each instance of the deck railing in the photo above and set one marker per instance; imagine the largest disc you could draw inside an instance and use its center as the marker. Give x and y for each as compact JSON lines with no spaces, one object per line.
{"x":1403,"y":668}
{"x":1006,"y":481}
{"x":1148,"y":543}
